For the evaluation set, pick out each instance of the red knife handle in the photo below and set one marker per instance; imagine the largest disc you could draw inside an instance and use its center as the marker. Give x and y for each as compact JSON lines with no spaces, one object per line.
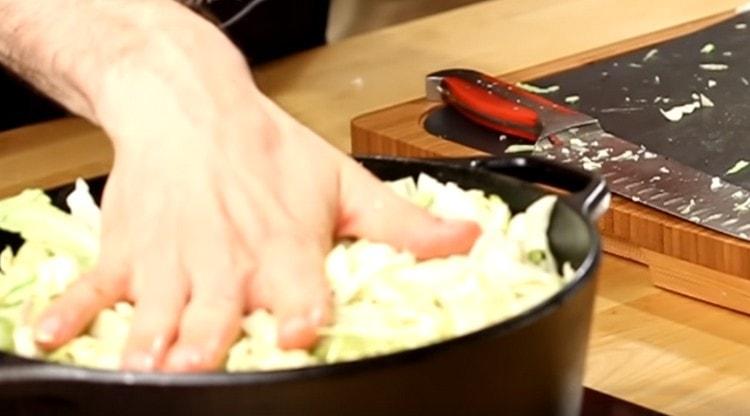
{"x":501,"y":106}
{"x":480,"y":105}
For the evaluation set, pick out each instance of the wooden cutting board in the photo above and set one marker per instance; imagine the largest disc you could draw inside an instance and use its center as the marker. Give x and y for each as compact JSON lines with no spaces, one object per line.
{"x":682,"y":256}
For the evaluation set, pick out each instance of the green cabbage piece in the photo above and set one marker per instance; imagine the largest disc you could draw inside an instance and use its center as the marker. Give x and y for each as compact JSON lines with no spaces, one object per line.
{"x":6,"y":335}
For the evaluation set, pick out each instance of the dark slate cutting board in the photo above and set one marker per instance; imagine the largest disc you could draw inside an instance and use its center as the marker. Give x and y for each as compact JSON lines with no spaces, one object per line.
{"x":621,"y":92}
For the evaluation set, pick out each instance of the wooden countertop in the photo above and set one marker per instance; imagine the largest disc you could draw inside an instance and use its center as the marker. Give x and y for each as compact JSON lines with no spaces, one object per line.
{"x":658,"y":349}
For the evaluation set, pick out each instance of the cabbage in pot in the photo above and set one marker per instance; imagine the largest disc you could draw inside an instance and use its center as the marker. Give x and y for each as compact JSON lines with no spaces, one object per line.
{"x":385,"y":300}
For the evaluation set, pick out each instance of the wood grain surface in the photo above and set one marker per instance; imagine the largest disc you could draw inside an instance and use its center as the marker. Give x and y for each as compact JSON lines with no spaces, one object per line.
{"x":372,"y":71}
{"x":664,"y":242}
{"x":654,"y":347}
{"x":634,"y":231}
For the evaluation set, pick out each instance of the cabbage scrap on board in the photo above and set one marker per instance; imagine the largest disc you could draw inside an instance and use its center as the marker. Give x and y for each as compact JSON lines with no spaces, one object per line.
{"x":384,"y":300}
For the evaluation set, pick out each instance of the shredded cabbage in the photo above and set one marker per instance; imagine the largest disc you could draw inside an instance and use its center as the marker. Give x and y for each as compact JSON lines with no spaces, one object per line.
{"x":385,"y":300}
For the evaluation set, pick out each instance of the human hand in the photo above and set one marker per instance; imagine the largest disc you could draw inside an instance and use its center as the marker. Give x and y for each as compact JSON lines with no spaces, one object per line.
{"x":220,"y":203}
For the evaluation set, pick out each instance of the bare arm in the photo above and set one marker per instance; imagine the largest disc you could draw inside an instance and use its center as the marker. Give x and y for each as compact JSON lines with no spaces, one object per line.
{"x":31,"y":45}
{"x":66,"y":48}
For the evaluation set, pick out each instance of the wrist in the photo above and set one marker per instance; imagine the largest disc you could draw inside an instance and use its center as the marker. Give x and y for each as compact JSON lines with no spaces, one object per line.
{"x":157,"y":39}
{"x":172,"y":69}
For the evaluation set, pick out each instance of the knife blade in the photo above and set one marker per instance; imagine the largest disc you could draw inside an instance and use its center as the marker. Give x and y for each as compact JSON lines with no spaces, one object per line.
{"x":567,"y":136}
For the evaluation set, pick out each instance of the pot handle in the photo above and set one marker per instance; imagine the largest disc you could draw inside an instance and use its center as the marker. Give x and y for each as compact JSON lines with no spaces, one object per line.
{"x":588,"y":191}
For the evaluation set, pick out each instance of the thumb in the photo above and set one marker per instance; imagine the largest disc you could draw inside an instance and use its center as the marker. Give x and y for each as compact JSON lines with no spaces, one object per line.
{"x":371,"y":210}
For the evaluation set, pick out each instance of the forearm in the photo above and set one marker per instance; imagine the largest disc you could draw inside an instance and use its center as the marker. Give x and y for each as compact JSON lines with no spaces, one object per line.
{"x":69,"y":48}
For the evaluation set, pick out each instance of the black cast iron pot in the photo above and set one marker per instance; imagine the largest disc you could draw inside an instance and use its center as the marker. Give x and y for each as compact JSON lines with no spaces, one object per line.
{"x":531,"y":364}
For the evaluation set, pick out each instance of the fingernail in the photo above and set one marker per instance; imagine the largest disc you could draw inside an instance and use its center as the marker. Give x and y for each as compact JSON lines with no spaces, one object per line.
{"x":46,"y":330}
{"x":139,"y":361}
{"x":184,"y":359}
{"x":300,"y":331}
{"x":294,"y":326}
{"x":319,"y":315}
{"x":158,"y":347}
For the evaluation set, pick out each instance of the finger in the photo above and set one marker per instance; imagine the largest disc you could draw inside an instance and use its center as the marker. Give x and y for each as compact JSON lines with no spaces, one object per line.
{"x":288,"y":268}
{"x":76,"y":308}
{"x":210,"y":323}
{"x":369,"y":209}
{"x":154,"y":327}
{"x":291,"y":275}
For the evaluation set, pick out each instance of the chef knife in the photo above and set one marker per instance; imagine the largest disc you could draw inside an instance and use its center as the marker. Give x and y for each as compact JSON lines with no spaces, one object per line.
{"x":565,"y":135}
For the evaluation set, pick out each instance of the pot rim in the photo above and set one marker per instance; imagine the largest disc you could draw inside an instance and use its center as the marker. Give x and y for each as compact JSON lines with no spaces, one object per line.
{"x":21,"y":370}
